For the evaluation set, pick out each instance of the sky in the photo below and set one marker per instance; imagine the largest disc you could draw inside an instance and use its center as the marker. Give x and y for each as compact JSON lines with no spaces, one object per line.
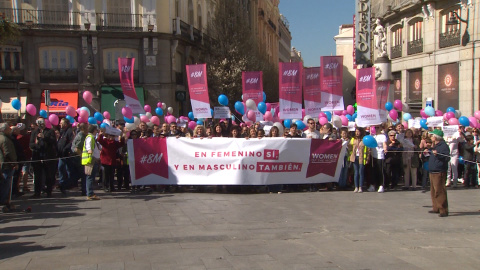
{"x":314,"y":23}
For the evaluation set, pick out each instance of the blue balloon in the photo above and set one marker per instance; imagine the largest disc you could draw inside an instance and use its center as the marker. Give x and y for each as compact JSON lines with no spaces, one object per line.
{"x":264,"y":97}
{"x":461,"y":160}
{"x":190,"y":115}
{"x":98,"y":116}
{"x":450,"y":109}
{"x":211,"y":111}
{"x":329,"y":116}
{"x":262,"y":107}
{"x":104,"y":125}
{"x":300,"y":124}
{"x":70,"y":119}
{"x":287,"y":123}
{"x":407,"y":116}
{"x":388,"y":106}
{"x":369,"y":141}
{"x":200,"y":122}
{"x":463,"y":120}
{"x":128,"y":120}
{"x":239,"y":107}
{"x":43,"y":113}
{"x":430,"y":111}
{"x":92,"y":120}
{"x":223,"y":100}
{"x":423,"y":123}
{"x":16,"y":104}
{"x":354,"y":116}
{"x":159,"y":111}
{"x":349,"y":117}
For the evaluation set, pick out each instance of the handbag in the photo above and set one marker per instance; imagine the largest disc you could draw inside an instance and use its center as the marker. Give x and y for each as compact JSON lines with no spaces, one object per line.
{"x":88,"y":169}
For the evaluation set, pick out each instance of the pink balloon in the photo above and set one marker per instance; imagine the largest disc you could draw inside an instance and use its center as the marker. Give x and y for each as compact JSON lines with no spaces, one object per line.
{"x":48,"y":124}
{"x":155,"y":120}
{"x":147,"y":108}
{"x":184,"y":118}
{"x":473,"y":121}
{"x":397,"y":104}
{"x":53,"y":118}
{"x":269,"y":106}
{"x":344,"y":120}
{"x":171,"y":119}
{"x":477,"y":115}
{"x":144,"y":118}
{"x":350,"y":110}
{"x":31,"y":109}
{"x":423,"y":114}
{"x":87,"y":96}
{"x":438,"y":113}
{"x":344,"y":112}
{"x":322,"y":114}
{"x":82,"y":120}
{"x":323,"y":120}
{"x":70,"y":111}
{"x":159,"y":104}
{"x":78,"y":111}
{"x":83,"y":114}
{"x":75,"y":124}
{"x":449,"y":115}
{"x":337,"y":112}
{"x":445,"y":117}
{"x":393,"y":114}
{"x":405,"y":124}
{"x":127,"y":112}
{"x":106,"y":115}
{"x":251,"y":116}
{"x":192,"y":125}
{"x":268,"y":116}
{"x":453,"y":121}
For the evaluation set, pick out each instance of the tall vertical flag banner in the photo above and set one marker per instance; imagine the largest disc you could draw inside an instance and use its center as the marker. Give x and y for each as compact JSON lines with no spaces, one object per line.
{"x":198,"y":89}
{"x":290,"y":90}
{"x":252,"y":88}
{"x":382,"y":98}
{"x":332,"y":83}
{"x":367,"y":105}
{"x":311,"y":91}
{"x":125,"y":69}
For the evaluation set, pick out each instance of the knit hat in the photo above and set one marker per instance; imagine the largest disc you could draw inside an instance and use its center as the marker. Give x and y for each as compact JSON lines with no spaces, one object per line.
{"x":437,"y":132}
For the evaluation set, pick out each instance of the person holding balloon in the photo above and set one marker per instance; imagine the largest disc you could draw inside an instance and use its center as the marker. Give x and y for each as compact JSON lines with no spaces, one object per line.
{"x":378,"y":159}
{"x":359,"y":157}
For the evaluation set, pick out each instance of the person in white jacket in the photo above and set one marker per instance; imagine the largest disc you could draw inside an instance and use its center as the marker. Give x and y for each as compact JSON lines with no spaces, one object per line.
{"x":452,"y":173}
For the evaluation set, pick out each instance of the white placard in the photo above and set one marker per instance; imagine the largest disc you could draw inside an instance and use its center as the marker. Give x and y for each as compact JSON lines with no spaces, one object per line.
{"x":436,"y":121}
{"x":221,"y":113}
{"x":351,"y":126}
{"x":449,"y":131}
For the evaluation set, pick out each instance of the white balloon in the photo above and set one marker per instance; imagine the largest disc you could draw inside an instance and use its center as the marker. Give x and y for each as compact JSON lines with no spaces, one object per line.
{"x":107,"y":121}
{"x":149,"y":115}
{"x":306,"y":118}
{"x":458,"y":114}
{"x":337,"y":121}
{"x":164,"y":106}
{"x":136,"y":121}
{"x":130,"y":126}
{"x":280,"y":128}
{"x":170,"y":110}
{"x":150,"y":124}
{"x":405,"y":107}
{"x":251,"y":104}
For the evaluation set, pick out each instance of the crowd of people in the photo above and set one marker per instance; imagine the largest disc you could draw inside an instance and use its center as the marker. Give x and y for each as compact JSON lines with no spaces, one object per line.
{"x":69,"y":157}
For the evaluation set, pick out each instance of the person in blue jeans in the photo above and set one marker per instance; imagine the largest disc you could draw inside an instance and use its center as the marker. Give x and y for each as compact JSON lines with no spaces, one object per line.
{"x":359,"y":157}
{"x":91,"y":160}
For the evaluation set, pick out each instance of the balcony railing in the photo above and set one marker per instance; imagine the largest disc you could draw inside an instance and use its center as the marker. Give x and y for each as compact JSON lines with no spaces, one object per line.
{"x":59,"y":75}
{"x":119,"y":22}
{"x":396,"y":51}
{"x":43,"y":18}
{"x":12,"y":75}
{"x":415,"y":46}
{"x":449,"y":39}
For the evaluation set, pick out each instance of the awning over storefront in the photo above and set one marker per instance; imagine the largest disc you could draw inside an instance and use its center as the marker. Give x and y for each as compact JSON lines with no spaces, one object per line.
{"x":7,"y":95}
{"x":59,"y":100}
{"x":110,"y":94}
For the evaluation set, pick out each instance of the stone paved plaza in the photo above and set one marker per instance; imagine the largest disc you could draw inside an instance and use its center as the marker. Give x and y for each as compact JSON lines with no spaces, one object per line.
{"x":304,"y":230}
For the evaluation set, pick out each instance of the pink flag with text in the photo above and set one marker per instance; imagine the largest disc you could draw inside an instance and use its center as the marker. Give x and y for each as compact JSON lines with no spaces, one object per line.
{"x":382,"y":97}
{"x":311,"y":91}
{"x":198,"y":89}
{"x":125,"y":69}
{"x":252,"y":88}
{"x":290,"y":90}
{"x":368,"y":112}
{"x":332,"y":83}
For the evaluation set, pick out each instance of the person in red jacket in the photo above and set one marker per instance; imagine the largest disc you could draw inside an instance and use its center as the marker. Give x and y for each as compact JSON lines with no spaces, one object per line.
{"x":108,"y":157}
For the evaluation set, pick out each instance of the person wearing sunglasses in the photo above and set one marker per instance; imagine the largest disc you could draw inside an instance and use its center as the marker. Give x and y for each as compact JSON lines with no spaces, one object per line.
{"x":311,"y":132}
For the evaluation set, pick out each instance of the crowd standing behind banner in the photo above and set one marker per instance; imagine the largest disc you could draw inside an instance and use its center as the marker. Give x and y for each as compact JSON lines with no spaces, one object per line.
{"x":76,"y":155}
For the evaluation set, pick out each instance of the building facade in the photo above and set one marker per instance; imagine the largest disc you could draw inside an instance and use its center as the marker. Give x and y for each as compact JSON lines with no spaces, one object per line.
{"x":433,"y":51}
{"x":266,"y":27}
{"x":285,"y":39}
{"x":69,"y":47}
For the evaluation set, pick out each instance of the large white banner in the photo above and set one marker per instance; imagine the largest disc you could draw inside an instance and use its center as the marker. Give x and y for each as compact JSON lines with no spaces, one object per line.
{"x":229,"y":161}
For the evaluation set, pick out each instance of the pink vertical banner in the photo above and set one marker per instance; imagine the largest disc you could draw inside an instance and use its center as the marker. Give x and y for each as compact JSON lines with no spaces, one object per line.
{"x":332,"y":83}
{"x":125,"y":69}
{"x":290,"y":90}
{"x":311,"y":91}
{"x":367,"y":105}
{"x":252,"y":88}
{"x":198,"y":89}
{"x":382,"y":97}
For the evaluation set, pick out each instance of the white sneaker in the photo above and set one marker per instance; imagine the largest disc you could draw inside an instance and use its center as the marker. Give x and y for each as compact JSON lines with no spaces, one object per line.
{"x":360,"y":190}
{"x":356,"y":190}
{"x":380,"y":189}
{"x":371,"y":189}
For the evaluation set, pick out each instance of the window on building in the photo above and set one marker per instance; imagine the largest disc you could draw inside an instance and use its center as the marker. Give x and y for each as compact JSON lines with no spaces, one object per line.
{"x":5,"y":3}
{"x":177,"y":8}
{"x":415,"y":36}
{"x":119,"y":13}
{"x":396,"y":48}
{"x":415,"y":30}
{"x":199,"y":17}
{"x":55,"y":12}
{"x":110,"y":57}
{"x":57,"y":57}
{"x":449,"y":34}
{"x":450,"y":29}
{"x":190,"y":13}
